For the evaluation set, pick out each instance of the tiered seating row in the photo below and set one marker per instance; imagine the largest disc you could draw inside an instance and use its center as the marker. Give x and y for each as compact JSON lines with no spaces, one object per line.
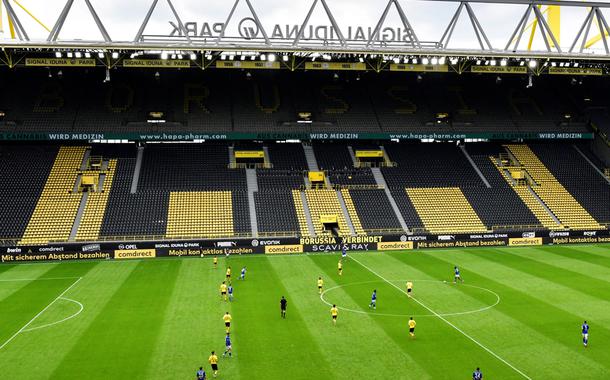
{"x":445,"y":210}
{"x":91,"y":221}
{"x":325,"y":202}
{"x":57,"y":206}
{"x":567,"y":209}
{"x":205,"y":214}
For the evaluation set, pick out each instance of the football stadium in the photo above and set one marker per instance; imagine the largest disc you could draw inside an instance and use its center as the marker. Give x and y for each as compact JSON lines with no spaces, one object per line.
{"x":328,"y":189}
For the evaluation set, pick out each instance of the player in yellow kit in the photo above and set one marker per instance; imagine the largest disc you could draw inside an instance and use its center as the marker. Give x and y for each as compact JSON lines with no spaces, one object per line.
{"x":320,"y":285}
{"x":215,"y":262}
{"x":409,"y":288}
{"x":229,"y":274}
{"x":334,"y":312}
{"x":340,"y":267}
{"x":213,"y":359}
{"x":227,"y":318}
{"x":223,"y":291}
{"x":412,"y":327}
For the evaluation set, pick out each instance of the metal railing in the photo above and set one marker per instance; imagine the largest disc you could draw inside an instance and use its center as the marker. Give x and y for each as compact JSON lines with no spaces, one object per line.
{"x":338,"y":186}
{"x":518,"y":227}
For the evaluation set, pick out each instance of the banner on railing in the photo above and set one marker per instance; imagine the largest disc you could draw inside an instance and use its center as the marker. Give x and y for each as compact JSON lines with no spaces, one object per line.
{"x":191,"y":136}
{"x":247,"y":246}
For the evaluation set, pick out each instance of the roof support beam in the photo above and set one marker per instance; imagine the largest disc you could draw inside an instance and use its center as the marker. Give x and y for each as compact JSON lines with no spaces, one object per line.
{"x":330,"y":17}
{"x":138,"y":36}
{"x":256,"y":20}
{"x":54,"y":34}
{"x":476,"y":26}
{"x":14,"y":20}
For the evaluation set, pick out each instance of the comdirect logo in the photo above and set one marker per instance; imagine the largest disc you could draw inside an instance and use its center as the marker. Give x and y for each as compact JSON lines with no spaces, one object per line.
{"x":248,"y":28}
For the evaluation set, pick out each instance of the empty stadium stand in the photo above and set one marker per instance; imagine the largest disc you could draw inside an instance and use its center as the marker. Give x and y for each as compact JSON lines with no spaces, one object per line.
{"x":224,"y":101}
{"x":189,"y":191}
{"x":445,"y":210}
{"x":23,"y":173}
{"x":561,"y":203}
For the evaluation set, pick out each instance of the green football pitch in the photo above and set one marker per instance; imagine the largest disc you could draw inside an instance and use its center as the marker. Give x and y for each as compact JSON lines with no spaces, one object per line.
{"x":517,"y":316}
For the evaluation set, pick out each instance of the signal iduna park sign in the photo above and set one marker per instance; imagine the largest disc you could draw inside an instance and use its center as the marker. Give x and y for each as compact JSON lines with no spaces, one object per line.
{"x":249,"y":30}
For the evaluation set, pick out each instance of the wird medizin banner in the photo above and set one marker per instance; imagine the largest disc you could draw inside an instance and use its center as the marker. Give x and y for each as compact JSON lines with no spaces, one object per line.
{"x":190,"y":136}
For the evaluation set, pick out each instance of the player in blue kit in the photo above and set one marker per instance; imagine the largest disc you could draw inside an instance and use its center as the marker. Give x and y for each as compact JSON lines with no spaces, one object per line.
{"x":201,"y":374}
{"x":242,"y":275}
{"x":585,"y":334}
{"x":344,"y":252}
{"x":230,"y":291}
{"x":373,"y":303}
{"x":228,"y":347}
{"x":456,"y":275}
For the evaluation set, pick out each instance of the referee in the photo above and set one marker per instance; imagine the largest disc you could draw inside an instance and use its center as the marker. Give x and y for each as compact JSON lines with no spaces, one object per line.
{"x":283,"y":304}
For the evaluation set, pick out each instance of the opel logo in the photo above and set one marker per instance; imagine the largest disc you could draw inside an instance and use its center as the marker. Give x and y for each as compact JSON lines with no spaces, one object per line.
{"x":248,"y":28}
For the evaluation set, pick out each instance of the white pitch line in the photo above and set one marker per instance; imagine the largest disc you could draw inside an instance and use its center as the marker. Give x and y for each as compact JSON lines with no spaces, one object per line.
{"x":446,"y":321}
{"x":81,"y":308}
{"x":39,"y":314}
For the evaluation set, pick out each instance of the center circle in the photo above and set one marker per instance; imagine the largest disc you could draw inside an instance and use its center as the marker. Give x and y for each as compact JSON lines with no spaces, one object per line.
{"x":425,"y":292}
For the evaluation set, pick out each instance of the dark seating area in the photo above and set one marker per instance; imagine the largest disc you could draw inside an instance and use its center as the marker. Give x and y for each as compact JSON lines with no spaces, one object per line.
{"x":143,"y":213}
{"x":275,"y":211}
{"x":491,"y":204}
{"x":429,"y":165}
{"x":24,"y":169}
{"x":268,"y":102}
{"x":585,"y":184}
{"x":374,"y":210}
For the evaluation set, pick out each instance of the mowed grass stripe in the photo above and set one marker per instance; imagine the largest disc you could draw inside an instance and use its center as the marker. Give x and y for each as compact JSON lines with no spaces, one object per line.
{"x":120,"y":341}
{"x":48,"y":347}
{"x":565,"y":356}
{"x":192,"y":326}
{"x":11,"y":276}
{"x":438,"y":348}
{"x":371,"y":359}
{"x":502,"y":328}
{"x":587,"y":254}
{"x":266,"y":345}
{"x":456,"y":352}
{"x":22,"y":305}
{"x":570,"y":262}
{"x":555,"y":285}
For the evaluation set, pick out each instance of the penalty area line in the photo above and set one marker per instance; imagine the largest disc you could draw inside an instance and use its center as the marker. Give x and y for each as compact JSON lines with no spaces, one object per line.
{"x":39,"y":314}
{"x":444,"y":320}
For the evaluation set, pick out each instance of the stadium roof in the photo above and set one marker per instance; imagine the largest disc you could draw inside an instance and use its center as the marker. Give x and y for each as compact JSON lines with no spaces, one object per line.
{"x":250,"y":35}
